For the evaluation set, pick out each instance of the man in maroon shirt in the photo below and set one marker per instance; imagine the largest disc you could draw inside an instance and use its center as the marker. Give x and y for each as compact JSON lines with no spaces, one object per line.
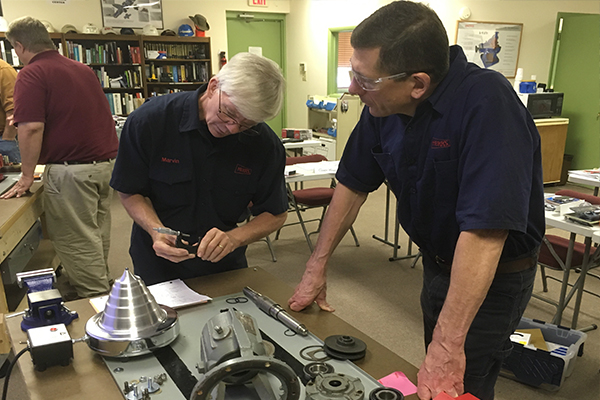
{"x":64,"y":121}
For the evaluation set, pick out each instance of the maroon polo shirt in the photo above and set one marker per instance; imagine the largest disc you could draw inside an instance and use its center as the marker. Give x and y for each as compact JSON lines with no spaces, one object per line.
{"x":67,"y":97}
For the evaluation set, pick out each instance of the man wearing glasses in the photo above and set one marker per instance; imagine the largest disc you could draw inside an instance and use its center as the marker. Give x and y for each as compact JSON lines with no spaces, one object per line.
{"x":196,"y":163}
{"x":462,"y":155}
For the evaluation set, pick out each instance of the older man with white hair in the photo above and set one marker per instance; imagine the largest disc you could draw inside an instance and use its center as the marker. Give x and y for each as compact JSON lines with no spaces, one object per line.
{"x":193,"y":162}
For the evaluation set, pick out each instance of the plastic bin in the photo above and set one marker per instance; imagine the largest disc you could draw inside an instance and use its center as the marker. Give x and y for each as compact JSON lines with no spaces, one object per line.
{"x":540,"y":368}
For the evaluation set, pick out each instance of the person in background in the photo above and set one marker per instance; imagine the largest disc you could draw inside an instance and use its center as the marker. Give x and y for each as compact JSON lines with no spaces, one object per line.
{"x":8,"y":133}
{"x":194,"y":162}
{"x":64,"y":121}
{"x":462,"y":155}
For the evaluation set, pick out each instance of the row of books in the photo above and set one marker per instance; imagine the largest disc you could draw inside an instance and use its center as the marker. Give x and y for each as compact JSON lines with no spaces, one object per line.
{"x":8,"y":54}
{"x":183,"y":50}
{"x":124,"y":103}
{"x":130,"y":78}
{"x":196,"y":72}
{"x":104,"y":53}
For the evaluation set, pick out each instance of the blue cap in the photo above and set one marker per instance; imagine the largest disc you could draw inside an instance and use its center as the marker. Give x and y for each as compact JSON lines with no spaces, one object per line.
{"x":186,"y":30}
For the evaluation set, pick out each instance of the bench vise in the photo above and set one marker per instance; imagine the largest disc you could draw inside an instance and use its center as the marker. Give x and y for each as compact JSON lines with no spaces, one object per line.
{"x":46,"y":306}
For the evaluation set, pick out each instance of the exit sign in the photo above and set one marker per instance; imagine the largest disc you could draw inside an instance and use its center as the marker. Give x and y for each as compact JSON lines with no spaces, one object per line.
{"x":257,"y":3}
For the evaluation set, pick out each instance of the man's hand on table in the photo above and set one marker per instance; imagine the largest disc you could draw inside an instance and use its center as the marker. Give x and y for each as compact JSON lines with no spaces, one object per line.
{"x":20,"y":188}
{"x":312,"y":287}
{"x":442,"y":370}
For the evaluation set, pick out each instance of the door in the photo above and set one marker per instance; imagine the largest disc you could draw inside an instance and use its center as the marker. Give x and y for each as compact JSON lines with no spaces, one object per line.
{"x":575,"y":71}
{"x":259,"y":32}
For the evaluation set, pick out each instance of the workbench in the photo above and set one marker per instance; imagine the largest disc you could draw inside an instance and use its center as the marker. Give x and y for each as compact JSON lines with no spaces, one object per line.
{"x":17,"y":216}
{"x":88,"y":378}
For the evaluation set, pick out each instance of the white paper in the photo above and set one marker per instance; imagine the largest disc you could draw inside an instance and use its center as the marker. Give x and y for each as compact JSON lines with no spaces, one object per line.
{"x":175,"y":294}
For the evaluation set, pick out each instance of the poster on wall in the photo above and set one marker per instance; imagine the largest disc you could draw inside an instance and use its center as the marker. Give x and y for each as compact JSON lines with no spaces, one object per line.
{"x":491,"y":45}
{"x":132,"y":13}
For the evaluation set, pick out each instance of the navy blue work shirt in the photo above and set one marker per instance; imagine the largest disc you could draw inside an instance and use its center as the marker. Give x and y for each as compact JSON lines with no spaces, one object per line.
{"x":469,"y":159}
{"x":195,"y":181}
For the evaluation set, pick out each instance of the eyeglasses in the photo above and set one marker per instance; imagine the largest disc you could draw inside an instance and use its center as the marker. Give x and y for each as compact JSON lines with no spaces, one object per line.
{"x":372,"y":85}
{"x":229,"y":120}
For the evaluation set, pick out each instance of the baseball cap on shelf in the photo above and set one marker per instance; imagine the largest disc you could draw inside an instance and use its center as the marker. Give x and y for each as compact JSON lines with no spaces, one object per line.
{"x":108,"y":31}
{"x":168,"y":32}
{"x":150,"y":30}
{"x":186,"y":30}
{"x":127,"y":31}
{"x":68,"y":28}
{"x":90,"y":28}
{"x":200,"y":22}
{"x":48,"y":26}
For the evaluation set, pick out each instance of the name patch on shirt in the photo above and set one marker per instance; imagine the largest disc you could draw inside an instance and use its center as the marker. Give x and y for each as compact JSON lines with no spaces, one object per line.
{"x":240,"y":169}
{"x":440,"y":143}
{"x":169,"y":160}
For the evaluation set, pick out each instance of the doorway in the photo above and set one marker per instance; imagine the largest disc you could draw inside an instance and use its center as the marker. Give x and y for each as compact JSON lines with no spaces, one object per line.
{"x":262,"y":33}
{"x":574,"y":71}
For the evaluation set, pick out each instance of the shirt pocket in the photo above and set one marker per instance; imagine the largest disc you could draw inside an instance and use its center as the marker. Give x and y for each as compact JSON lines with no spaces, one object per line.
{"x":171,"y":187}
{"x":232,"y":197}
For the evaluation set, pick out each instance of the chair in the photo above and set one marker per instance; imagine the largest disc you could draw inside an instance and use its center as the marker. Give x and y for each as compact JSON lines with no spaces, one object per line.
{"x":246,"y":217}
{"x":302,"y":199}
{"x":554,"y":255}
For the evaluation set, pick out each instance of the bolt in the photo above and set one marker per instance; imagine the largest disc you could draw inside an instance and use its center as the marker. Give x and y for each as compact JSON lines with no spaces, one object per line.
{"x":218,"y":329}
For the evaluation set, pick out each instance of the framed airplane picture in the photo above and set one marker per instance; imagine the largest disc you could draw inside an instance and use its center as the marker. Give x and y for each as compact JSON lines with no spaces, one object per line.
{"x":132,"y":13}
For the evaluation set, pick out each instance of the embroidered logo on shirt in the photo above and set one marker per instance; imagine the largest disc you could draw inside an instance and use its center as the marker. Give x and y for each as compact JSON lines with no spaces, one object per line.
{"x":169,"y":160}
{"x":440,"y":143}
{"x":240,"y":169}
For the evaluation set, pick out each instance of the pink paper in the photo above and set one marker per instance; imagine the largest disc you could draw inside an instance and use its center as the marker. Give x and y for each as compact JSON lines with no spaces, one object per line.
{"x":398,"y":380}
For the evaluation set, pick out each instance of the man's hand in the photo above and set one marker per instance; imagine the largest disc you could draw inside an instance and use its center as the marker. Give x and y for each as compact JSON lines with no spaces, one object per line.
{"x":164,"y":246}
{"x":442,"y":371}
{"x":20,"y":188}
{"x":312,"y":287}
{"x":215,"y":245}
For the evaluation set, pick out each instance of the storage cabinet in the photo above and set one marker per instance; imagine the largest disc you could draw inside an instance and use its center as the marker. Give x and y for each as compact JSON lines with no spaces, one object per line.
{"x":131,"y":68}
{"x":344,"y":117}
{"x":553,"y":133}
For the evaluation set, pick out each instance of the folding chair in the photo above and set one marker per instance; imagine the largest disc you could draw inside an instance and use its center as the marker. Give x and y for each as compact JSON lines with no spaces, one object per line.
{"x":304,"y":199}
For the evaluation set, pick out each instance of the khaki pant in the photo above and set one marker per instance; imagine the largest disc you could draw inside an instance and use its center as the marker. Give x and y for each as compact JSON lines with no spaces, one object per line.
{"x":77,"y":206}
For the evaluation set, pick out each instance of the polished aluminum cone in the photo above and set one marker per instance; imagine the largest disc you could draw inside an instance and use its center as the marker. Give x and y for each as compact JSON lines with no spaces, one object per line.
{"x":130,"y":317}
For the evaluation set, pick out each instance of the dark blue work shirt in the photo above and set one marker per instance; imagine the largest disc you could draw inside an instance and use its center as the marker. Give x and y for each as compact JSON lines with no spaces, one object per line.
{"x":469,"y":159}
{"x":195,"y":181}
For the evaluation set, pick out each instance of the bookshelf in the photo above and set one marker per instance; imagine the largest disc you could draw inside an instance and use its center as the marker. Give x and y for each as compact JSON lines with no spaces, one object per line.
{"x":131,"y":68}
{"x":175,"y":63}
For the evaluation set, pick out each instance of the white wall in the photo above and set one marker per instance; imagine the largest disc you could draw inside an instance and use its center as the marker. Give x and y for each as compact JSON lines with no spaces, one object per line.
{"x":308,"y":22}
{"x":175,"y":13}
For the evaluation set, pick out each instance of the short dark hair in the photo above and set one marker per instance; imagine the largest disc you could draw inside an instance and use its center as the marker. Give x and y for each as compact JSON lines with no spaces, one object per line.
{"x":410,"y":36}
{"x":31,"y":33}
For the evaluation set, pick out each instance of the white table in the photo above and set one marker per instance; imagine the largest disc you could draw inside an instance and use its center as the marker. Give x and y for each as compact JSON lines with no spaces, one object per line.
{"x":311,"y":171}
{"x":586,"y":177}
{"x":554,"y":220}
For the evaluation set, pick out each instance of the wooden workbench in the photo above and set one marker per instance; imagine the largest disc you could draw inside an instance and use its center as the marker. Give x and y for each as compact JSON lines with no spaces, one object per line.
{"x":88,"y":378}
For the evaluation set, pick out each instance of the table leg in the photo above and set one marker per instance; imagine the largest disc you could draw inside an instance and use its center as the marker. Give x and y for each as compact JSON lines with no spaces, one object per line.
{"x":563,"y":290}
{"x":580,"y":284}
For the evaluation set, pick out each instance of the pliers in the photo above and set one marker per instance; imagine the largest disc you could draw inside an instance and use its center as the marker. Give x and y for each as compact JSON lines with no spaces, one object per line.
{"x":191,"y":248}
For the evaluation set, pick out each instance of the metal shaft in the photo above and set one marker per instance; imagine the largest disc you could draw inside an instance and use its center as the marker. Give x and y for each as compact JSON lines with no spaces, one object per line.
{"x":275,"y":310}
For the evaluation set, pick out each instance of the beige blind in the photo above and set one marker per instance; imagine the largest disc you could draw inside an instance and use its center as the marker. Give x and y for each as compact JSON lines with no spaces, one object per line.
{"x":344,"y":49}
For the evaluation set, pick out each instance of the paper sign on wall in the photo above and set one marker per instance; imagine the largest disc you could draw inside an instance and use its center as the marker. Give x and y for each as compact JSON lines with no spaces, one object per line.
{"x":255,"y":50}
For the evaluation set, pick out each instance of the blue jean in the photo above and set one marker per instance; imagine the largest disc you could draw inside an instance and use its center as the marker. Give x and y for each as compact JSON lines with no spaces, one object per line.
{"x":10,"y":148}
{"x":488,"y":340}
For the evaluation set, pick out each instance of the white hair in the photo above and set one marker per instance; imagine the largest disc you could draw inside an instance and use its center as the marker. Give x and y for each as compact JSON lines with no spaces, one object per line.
{"x":254,"y":85}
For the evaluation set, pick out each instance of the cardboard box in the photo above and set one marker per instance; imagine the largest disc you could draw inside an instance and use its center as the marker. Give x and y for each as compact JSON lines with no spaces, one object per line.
{"x":292,"y":133}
